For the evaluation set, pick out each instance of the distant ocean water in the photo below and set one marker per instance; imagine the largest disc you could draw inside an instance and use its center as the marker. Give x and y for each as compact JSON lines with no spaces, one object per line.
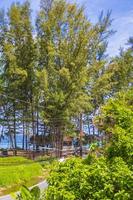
{"x":5,"y":143}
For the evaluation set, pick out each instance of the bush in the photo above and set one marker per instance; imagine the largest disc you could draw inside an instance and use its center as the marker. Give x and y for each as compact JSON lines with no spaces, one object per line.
{"x":26,"y":194}
{"x":116,"y":120}
{"x":98,"y":180}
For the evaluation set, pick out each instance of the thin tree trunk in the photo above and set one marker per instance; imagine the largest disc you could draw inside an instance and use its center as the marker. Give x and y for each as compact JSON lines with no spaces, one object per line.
{"x":11,"y":140}
{"x":26,"y":126}
{"x":33,"y":128}
{"x":9,"y":128}
{"x":44,"y":135}
{"x":14,"y":131}
{"x":59,"y":142}
{"x":81,"y":133}
{"x":26,"y":138}
{"x":37,"y":127}
{"x":88,"y":125}
{"x":23,"y":132}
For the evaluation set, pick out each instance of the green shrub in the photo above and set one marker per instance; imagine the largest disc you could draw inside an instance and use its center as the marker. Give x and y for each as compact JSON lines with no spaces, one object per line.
{"x":116,"y":120}
{"x":26,"y":194}
{"x":101,"y":179}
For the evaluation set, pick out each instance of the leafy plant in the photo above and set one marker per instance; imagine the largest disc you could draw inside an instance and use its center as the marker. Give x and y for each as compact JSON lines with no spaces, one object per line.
{"x":116,"y":120}
{"x":26,"y":194}
{"x":97,"y":179}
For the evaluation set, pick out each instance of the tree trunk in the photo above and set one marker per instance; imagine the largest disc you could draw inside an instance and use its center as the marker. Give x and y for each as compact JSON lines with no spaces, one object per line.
{"x":80,"y":134}
{"x":88,"y":125}
{"x":14,"y":130}
{"x":37,"y":127}
{"x":23,"y":133}
{"x":27,"y":116}
{"x":33,"y":128}
{"x":59,"y":142}
{"x":33,"y":131}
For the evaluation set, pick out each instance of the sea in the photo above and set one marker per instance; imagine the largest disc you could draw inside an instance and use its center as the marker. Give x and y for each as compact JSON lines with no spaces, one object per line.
{"x":5,"y":142}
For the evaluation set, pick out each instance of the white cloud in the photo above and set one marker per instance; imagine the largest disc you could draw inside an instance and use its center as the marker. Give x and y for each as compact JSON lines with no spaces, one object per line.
{"x":124,"y":27}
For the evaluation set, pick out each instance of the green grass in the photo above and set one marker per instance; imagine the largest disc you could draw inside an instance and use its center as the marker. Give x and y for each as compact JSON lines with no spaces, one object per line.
{"x":46,"y":161}
{"x":17,"y":171}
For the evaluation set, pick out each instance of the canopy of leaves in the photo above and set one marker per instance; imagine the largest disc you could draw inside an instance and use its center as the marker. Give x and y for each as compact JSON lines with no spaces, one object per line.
{"x":116,"y":119}
{"x":62,"y":71}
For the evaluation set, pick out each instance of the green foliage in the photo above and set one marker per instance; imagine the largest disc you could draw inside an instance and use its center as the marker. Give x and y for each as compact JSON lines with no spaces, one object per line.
{"x":17,"y":170}
{"x":96,"y":179}
{"x":18,"y":66}
{"x":18,"y":48}
{"x":46,"y":161}
{"x":26,"y":194}
{"x":116,"y":119}
{"x":108,"y":177}
{"x":63,"y":70}
{"x":63,"y":40}
{"x":63,"y":184}
{"x":106,"y":79}
{"x":121,"y":72}
{"x":93,"y":146}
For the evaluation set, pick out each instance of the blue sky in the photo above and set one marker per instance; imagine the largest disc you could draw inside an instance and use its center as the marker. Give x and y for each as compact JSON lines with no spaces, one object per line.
{"x":122,"y":15}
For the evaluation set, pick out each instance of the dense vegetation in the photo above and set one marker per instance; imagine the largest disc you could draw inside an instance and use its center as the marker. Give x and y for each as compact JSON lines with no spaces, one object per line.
{"x":16,"y":171}
{"x":107,"y":175}
{"x":97,"y":179}
{"x":55,"y":75}
{"x":107,"y":172}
